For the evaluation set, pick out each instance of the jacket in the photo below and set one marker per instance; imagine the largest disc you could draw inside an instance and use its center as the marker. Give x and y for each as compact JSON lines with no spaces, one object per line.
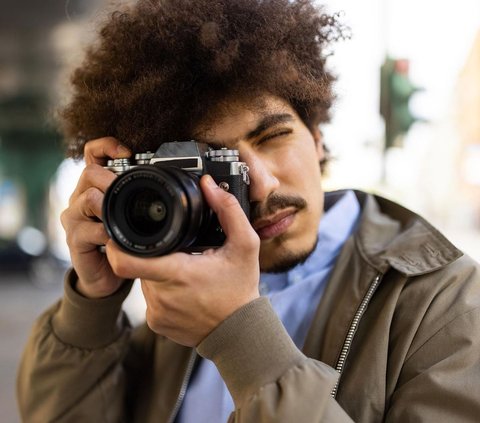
{"x":395,"y":338}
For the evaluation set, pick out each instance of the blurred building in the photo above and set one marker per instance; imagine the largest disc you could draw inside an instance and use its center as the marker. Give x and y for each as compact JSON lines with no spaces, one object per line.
{"x":36,"y":38}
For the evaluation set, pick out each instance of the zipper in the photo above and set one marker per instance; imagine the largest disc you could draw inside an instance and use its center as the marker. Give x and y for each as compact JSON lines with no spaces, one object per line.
{"x":353,"y":329}
{"x":183,"y":388}
{"x":340,"y":362}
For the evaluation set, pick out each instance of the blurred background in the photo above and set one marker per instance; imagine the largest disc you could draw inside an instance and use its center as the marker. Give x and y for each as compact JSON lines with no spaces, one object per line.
{"x":406,"y":125}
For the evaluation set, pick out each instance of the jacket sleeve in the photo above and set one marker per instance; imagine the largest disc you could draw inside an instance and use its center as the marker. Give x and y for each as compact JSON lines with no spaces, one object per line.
{"x":71,"y":368}
{"x":269,"y":378}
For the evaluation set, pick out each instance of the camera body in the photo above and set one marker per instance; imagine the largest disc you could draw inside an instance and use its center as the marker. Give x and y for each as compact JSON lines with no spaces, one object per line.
{"x":155,"y":206}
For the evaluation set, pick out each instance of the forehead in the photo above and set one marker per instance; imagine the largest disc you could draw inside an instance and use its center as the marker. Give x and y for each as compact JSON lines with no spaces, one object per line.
{"x":234,"y":119}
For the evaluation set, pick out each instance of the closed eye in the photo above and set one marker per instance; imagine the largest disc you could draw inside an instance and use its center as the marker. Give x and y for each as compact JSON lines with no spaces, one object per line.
{"x":275,"y":134}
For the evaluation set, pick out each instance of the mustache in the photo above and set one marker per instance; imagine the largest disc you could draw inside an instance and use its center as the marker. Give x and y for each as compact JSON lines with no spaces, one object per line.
{"x":274,"y":203}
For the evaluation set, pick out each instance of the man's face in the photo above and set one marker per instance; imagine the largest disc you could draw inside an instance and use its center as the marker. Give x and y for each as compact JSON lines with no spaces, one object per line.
{"x":285,"y":179}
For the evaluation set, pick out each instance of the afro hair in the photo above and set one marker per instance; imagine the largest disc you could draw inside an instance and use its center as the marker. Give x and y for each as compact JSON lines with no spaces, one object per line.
{"x":159,"y":66}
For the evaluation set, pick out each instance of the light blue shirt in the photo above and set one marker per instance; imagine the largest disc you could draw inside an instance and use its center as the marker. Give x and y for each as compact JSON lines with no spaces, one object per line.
{"x":294,"y":296}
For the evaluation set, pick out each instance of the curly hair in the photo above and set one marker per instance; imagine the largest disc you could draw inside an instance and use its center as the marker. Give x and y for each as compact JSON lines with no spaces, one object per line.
{"x":159,"y":66}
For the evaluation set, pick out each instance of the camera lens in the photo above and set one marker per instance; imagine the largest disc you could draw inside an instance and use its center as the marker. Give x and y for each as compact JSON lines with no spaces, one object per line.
{"x":153,"y":210}
{"x":146,"y":212}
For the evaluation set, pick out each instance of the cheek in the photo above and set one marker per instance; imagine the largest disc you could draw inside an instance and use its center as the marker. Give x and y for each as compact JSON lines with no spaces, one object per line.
{"x":301,"y":172}
{"x":305,"y":180}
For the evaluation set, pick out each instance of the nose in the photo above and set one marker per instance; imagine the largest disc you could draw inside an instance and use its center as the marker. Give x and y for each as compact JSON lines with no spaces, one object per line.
{"x":263,"y":179}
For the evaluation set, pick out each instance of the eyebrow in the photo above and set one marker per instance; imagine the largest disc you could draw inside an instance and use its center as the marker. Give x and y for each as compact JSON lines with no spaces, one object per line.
{"x":266,"y":122}
{"x":269,"y":121}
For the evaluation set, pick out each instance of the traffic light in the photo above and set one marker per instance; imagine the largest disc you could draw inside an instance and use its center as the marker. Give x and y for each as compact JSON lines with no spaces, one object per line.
{"x":396,"y":89}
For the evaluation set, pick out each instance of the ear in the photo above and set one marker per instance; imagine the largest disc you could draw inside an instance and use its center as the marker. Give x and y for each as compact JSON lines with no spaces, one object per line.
{"x":318,"y":138}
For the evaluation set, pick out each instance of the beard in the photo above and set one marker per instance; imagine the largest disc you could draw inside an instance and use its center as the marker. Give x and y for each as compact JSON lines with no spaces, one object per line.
{"x":280,"y":258}
{"x":286,"y":260}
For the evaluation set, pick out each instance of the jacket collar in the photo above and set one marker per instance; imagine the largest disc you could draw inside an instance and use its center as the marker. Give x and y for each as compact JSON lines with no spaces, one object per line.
{"x":391,"y":235}
{"x":387,"y":236}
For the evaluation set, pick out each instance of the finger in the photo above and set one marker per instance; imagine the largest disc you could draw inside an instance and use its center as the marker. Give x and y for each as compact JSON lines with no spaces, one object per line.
{"x":231,"y":216}
{"x":93,"y":176}
{"x":90,"y":204}
{"x":87,"y":207}
{"x":87,"y":236}
{"x":97,"y":151}
{"x":164,"y":268}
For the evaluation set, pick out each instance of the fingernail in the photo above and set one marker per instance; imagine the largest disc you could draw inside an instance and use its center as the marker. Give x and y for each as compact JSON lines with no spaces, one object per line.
{"x":122,"y":150}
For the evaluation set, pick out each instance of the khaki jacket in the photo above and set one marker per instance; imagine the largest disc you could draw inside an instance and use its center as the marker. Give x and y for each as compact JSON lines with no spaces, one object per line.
{"x":396,"y":338}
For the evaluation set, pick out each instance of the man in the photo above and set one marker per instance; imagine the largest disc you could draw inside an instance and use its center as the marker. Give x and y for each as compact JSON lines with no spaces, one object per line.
{"x":367,"y":313}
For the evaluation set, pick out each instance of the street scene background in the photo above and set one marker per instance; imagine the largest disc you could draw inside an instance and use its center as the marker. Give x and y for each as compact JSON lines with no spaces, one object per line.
{"x":422,"y":150}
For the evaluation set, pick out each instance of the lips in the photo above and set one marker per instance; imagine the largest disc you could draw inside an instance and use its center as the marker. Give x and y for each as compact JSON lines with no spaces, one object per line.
{"x":274,"y":225}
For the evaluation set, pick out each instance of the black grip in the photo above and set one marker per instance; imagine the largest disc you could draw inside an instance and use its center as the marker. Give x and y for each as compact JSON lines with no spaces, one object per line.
{"x":237,"y":187}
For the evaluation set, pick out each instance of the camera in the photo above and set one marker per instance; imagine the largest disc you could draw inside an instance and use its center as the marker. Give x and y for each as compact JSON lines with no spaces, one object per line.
{"x":155,"y":206}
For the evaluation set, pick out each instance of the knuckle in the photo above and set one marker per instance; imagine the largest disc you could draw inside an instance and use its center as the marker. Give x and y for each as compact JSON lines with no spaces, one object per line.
{"x":72,"y":198}
{"x":87,"y":175}
{"x":69,"y":228}
{"x":92,"y":197}
{"x":89,"y":147}
{"x":251,"y":241}
{"x":91,"y":170}
{"x":64,"y":218}
{"x":71,"y":238}
{"x":121,"y":266}
{"x":227,"y":205}
{"x":101,"y":233}
{"x":153,"y":318}
{"x":229,"y":200}
{"x":118,"y":266}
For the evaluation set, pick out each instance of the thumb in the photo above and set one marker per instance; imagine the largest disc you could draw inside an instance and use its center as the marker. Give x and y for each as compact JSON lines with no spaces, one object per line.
{"x":231,"y":216}
{"x":98,"y":150}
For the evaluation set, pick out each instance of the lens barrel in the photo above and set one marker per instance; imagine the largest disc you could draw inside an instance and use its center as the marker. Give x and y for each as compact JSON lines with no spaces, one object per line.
{"x":153,"y":210}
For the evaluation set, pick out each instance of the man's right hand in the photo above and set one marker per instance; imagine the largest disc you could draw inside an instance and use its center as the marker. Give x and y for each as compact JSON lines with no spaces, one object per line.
{"x":82,"y":220}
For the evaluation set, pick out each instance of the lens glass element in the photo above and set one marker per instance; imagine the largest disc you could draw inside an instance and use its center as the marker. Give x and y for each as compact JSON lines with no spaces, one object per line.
{"x":146,"y":212}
